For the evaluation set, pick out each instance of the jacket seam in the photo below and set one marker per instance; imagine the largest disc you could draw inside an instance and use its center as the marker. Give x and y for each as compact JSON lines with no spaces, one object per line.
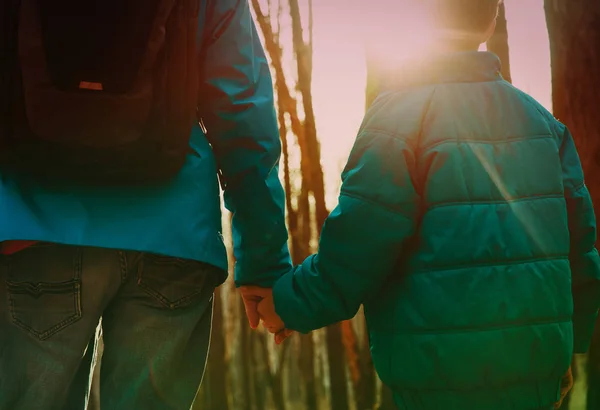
{"x":378,"y":204}
{"x":483,"y":328}
{"x":491,"y":263}
{"x":385,"y":133}
{"x":498,"y":142}
{"x":495,"y":386}
{"x":413,"y":145}
{"x":494,"y":202}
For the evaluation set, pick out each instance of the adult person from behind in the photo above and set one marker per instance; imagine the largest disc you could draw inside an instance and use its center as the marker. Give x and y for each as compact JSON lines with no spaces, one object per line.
{"x":124,"y":234}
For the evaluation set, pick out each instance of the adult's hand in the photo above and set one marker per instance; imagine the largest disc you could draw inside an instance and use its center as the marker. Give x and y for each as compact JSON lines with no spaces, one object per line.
{"x":266,"y":311}
{"x":252,"y":295}
{"x":273,"y":323}
{"x":258,"y":303}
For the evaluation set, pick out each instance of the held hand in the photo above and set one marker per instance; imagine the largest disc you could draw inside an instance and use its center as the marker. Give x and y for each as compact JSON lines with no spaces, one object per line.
{"x":252,"y":295}
{"x":272,"y":321}
{"x":266,"y":310}
{"x":283,"y":335}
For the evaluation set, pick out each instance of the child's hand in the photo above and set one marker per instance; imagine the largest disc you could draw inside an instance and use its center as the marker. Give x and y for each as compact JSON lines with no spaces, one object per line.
{"x":281,"y":336}
{"x":272,"y":321}
{"x":266,"y":310}
{"x":258,"y":303}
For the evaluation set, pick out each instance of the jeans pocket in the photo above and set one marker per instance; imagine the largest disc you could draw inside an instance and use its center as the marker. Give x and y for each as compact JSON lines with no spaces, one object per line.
{"x":175,"y":283}
{"x":44,"y":289}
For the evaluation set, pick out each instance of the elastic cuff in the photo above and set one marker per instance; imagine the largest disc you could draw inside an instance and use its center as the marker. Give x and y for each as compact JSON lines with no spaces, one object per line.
{"x":250,"y":272}
{"x":284,"y":299}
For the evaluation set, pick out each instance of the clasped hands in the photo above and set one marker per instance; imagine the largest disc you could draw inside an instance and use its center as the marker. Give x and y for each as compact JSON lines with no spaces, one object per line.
{"x":259,"y":305}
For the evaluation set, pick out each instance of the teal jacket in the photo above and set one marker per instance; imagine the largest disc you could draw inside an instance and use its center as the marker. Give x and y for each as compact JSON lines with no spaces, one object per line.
{"x":465,"y":228}
{"x":183,"y":218}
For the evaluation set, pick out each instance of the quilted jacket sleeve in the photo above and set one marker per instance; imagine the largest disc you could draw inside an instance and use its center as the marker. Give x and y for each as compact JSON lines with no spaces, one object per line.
{"x":361,"y":238}
{"x":236,"y":105}
{"x":584,"y":259}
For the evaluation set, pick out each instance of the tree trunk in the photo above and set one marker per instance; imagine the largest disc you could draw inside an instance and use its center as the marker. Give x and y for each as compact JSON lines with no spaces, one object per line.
{"x":361,"y":368}
{"x":299,"y":218}
{"x":245,"y":361}
{"x":369,"y":376}
{"x":498,"y":43}
{"x":275,"y":379}
{"x":307,"y":344}
{"x":337,"y":368}
{"x":574,"y":31}
{"x":303,"y":53}
{"x":352,"y":357}
{"x":292,"y":213}
{"x":306,"y":363}
{"x":288,"y":104}
{"x":260,"y":370}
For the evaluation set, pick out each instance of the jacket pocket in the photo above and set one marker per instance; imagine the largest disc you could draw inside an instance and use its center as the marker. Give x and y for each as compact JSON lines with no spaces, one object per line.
{"x":44,"y":289}
{"x":175,"y":283}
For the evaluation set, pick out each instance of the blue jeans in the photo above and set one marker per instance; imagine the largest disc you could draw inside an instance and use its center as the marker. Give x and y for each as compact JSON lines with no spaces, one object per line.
{"x":154,"y":313}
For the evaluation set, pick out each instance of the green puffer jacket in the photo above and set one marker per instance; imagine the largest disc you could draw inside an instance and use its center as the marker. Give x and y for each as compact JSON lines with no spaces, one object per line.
{"x":465,"y":228}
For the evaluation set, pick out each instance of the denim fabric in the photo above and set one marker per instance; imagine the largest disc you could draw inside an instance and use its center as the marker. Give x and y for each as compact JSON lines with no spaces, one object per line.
{"x":154,"y":313}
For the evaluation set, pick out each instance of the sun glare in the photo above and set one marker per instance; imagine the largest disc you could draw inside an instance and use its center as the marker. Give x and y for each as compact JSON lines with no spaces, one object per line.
{"x":394,"y":33}
{"x":398,"y":36}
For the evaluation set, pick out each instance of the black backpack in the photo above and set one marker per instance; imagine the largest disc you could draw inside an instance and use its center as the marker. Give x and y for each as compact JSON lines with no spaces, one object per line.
{"x":98,"y":90}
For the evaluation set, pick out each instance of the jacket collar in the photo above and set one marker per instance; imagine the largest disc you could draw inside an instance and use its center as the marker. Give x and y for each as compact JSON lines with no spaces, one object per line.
{"x":458,"y":67}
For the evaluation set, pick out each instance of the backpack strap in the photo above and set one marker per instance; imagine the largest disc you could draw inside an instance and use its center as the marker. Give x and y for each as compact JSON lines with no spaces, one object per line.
{"x":9,"y":12}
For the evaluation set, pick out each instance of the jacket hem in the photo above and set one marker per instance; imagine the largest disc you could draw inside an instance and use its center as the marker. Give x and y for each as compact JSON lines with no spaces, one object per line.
{"x":521,"y":396}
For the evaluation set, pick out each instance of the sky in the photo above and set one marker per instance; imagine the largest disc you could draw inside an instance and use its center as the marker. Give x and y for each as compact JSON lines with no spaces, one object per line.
{"x":339,"y":76}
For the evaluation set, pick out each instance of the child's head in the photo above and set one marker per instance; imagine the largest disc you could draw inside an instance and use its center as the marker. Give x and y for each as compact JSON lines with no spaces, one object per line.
{"x":471,"y":21}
